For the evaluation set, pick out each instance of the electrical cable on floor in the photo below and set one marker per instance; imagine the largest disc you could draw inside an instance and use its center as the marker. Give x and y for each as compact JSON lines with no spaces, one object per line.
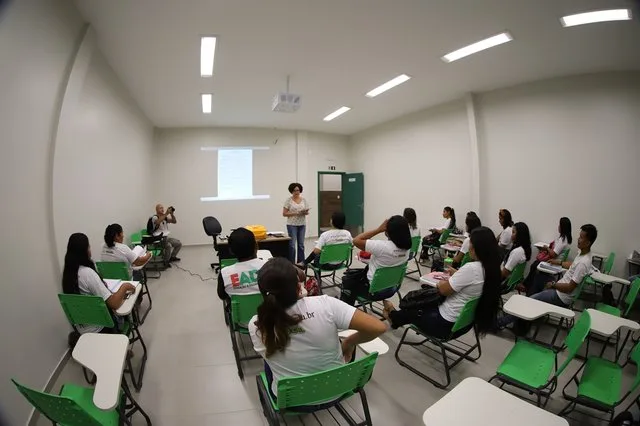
{"x":193,"y":274}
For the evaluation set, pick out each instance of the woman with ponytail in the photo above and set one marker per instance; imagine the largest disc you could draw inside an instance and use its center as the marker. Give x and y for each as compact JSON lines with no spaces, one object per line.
{"x":299,"y":335}
{"x":114,"y":250}
{"x":478,"y":278}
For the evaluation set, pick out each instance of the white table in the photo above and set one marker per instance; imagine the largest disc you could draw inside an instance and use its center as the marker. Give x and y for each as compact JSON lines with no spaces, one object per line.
{"x":601,"y":278}
{"x":550,"y":269}
{"x":530,"y":309}
{"x":606,"y":324}
{"x":128,"y":304}
{"x":430,"y":279}
{"x":264,"y":255}
{"x":541,"y":245}
{"x":476,"y":402}
{"x":450,"y":247}
{"x":376,"y":345}
{"x":104,"y":354}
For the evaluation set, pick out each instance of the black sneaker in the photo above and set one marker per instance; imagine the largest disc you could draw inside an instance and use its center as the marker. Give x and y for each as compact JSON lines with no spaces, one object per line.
{"x":174,"y":259}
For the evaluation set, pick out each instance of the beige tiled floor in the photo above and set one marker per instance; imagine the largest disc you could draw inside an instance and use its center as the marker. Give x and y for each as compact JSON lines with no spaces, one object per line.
{"x":191,"y":376}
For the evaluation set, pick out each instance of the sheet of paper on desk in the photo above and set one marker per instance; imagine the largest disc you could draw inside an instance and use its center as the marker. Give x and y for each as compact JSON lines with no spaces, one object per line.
{"x":276,"y":233}
{"x":113,"y":285}
{"x":139,"y":250}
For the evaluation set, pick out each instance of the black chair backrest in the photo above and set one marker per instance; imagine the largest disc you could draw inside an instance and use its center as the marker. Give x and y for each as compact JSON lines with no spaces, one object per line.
{"x":211,"y":226}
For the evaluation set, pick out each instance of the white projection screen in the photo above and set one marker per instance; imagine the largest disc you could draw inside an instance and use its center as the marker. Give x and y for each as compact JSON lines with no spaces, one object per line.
{"x":236,"y":174}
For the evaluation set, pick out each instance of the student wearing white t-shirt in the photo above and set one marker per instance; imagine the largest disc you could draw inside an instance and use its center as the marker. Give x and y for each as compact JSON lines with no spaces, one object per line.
{"x":241,"y":277}
{"x":563,"y":292}
{"x":299,"y":335}
{"x":472,"y":221}
{"x":533,"y":283}
{"x":114,"y":250}
{"x":504,"y":237}
{"x":336,"y":235}
{"x":478,"y":278}
{"x":521,"y":251}
{"x":384,"y":253}
{"x":449,"y":216}
{"x":80,"y":277}
{"x":412,"y":219}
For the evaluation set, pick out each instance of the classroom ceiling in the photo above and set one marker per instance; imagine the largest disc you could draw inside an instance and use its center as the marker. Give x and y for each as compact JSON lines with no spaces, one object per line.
{"x":337,"y":50}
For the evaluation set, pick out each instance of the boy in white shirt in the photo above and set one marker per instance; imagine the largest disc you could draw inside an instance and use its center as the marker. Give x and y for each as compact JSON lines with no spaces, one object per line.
{"x":564,"y":292}
{"x":336,"y":235}
{"x":241,"y":277}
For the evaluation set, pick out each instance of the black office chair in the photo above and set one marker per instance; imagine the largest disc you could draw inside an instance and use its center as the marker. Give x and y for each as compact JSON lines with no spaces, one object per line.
{"x":213,"y":228}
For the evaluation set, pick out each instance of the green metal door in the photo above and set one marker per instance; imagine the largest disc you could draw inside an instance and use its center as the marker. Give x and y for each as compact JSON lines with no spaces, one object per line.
{"x":353,"y":201}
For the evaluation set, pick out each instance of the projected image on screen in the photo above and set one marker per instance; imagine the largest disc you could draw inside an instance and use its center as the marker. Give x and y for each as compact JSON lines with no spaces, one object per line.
{"x":235,"y":174}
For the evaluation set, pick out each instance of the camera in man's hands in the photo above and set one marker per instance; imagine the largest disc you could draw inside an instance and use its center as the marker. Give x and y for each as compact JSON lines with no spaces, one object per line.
{"x":171,"y":209}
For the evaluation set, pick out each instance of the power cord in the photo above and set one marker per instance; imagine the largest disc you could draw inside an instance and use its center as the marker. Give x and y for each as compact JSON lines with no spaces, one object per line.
{"x":193,"y":274}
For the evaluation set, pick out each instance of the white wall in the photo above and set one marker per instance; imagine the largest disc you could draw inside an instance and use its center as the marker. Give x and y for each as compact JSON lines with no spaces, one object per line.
{"x":38,"y":39}
{"x":185,"y":173}
{"x":421,"y":160}
{"x":75,"y":156}
{"x":103,"y":155}
{"x":565,"y":147}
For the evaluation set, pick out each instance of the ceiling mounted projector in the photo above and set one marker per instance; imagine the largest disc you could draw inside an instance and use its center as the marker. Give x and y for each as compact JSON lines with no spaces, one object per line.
{"x":286,"y":102}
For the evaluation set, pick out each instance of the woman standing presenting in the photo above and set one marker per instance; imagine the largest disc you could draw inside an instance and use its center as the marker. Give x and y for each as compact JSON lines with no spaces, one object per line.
{"x":296,"y":209}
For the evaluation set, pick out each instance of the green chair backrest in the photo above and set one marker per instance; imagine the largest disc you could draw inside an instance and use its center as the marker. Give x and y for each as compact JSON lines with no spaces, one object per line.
{"x":334,"y":253}
{"x":113,"y":270}
{"x":575,"y":338}
{"x":415,"y":245}
{"x":466,"y":258}
{"x":136,"y":238}
{"x":228,"y":262}
{"x":82,"y":309}
{"x":517,"y":275}
{"x":325,"y":385}
{"x":608,"y":264}
{"x":59,"y":409}
{"x":445,"y":236}
{"x":244,"y":307}
{"x":635,"y":356}
{"x":630,"y":298}
{"x":564,"y":254}
{"x":467,"y":315}
{"x":384,"y":278}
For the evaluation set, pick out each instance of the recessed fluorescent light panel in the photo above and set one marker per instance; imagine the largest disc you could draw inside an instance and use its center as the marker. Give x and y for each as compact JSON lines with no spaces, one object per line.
{"x":596,"y":16}
{"x":206,"y":103}
{"x":207,"y":54}
{"x":388,"y":85}
{"x":496,"y":40}
{"x":336,"y":113}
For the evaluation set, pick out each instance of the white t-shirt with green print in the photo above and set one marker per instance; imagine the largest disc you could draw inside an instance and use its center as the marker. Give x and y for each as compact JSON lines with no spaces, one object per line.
{"x":314,"y":342}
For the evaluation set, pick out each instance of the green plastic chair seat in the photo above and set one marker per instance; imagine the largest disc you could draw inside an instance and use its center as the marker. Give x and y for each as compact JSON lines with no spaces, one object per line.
{"x":601,"y":381}
{"x":528,"y":363}
{"x":84,"y":398}
{"x":611,"y":310}
{"x":227,"y":262}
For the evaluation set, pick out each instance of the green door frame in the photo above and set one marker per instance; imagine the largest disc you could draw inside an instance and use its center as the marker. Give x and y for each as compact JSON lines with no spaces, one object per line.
{"x":318,"y":194}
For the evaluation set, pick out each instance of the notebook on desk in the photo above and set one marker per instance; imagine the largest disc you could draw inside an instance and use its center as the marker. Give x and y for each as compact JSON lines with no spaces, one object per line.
{"x":113,"y":285}
{"x":139,"y":250}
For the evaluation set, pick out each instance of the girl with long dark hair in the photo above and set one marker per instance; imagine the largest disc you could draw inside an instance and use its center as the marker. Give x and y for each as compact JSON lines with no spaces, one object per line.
{"x":412,"y":219}
{"x":550,"y":254}
{"x":392,"y":252}
{"x":504,"y":237}
{"x":114,"y":250}
{"x":478,"y":278}
{"x":433,"y":239}
{"x":472,"y":221}
{"x":80,"y":277}
{"x":299,"y":335}
{"x":521,"y":251}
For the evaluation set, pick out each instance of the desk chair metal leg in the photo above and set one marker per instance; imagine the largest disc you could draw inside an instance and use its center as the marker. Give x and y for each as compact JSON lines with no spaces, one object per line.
{"x":130,"y":406}
{"x":145,"y":291}
{"x":136,"y":336}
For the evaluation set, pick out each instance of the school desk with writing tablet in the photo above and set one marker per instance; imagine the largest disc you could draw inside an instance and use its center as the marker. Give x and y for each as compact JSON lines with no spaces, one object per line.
{"x":476,"y":402}
{"x":278,"y":246}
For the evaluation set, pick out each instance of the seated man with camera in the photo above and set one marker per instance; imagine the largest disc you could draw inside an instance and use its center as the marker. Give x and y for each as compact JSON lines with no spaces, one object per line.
{"x":161,"y":221}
